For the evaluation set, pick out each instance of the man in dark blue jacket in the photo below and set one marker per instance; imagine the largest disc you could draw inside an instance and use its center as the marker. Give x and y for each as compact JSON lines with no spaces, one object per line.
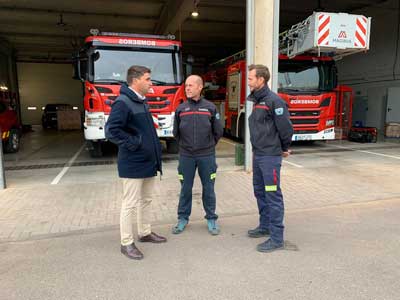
{"x":197,"y":128}
{"x":131,"y":127}
{"x":270,"y":135}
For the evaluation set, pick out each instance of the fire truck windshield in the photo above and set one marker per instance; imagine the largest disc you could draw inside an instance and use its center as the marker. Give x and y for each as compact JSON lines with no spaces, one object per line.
{"x":305,"y":75}
{"x":111,"y":65}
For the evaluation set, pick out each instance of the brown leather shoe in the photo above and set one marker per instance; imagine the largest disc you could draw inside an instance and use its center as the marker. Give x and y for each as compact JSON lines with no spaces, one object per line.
{"x":131,"y":251}
{"x":152,"y":238}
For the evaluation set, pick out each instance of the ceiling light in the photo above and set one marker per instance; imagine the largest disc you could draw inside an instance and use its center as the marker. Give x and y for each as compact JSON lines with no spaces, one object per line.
{"x":61,"y":23}
{"x":195,"y":12}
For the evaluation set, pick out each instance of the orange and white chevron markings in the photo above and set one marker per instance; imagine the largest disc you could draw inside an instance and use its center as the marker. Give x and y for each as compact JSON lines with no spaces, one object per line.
{"x":155,"y":121}
{"x":361,"y":32}
{"x":324,"y":22}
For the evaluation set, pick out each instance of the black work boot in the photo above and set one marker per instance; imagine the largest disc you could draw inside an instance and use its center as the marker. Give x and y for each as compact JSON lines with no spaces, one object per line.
{"x":269,"y":246}
{"x":258,"y":232}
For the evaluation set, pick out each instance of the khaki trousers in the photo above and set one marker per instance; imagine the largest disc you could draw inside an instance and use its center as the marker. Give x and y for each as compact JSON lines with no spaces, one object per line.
{"x":136,"y":200}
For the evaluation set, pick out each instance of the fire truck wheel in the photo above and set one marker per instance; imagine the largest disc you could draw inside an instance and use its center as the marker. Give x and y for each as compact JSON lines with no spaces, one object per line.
{"x":96,"y":151}
{"x":172,"y":146}
{"x":12,"y":145}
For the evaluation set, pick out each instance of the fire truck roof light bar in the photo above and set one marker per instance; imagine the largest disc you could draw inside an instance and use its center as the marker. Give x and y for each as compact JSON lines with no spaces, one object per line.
{"x":134,"y":35}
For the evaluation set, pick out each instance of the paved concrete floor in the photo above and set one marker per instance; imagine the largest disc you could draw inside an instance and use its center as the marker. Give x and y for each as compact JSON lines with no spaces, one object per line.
{"x":87,"y":198}
{"x":59,"y":228}
{"x":348,"y":251}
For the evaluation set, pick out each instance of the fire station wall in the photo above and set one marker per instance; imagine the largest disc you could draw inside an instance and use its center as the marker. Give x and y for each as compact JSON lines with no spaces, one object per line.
{"x":41,"y":84}
{"x":7,"y":68}
{"x":371,"y":74}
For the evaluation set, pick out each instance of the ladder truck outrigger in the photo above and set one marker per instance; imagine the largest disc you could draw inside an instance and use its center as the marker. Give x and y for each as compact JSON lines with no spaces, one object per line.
{"x":320,"y":109}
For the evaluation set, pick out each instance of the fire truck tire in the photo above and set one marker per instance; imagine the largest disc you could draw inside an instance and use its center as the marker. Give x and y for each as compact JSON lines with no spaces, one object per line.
{"x":96,"y":150}
{"x":13,"y":142}
{"x":172,"y":146}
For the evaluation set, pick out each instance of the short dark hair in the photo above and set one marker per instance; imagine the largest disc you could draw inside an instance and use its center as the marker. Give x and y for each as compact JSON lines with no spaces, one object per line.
{"x":135,"y":72}
{"x":261,"y":71}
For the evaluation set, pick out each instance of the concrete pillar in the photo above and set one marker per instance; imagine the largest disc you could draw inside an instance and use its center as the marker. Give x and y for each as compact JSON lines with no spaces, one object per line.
{"x":267,"y":36}
{"x":262,"y":24}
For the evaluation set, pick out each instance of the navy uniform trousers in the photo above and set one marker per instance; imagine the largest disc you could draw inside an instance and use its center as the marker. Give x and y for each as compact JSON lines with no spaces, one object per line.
{"x":207,"y":169}
{"x":267,"y":190}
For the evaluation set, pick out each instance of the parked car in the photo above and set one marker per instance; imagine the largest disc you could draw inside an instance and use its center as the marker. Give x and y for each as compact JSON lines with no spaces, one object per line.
{"x":49,"y":117}
{"x":10,"y":128}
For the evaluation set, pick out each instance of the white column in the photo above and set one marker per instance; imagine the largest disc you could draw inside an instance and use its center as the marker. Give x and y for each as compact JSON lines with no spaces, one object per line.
{"x":262,"y":42}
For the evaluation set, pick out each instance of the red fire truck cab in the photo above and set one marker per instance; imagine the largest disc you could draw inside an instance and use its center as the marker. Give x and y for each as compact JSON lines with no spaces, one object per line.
{"x":319,"y":108}
{"x":102,"y":65}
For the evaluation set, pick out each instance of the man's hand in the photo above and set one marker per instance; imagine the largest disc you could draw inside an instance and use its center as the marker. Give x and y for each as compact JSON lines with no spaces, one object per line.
{"x":286,"y":153}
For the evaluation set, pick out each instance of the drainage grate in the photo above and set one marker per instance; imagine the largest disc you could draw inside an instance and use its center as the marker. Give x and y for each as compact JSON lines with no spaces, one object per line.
{"x":34,"y":167}
{"x":171,"y":157}
{"x":94,"y":163}
{"x":52,"y":166}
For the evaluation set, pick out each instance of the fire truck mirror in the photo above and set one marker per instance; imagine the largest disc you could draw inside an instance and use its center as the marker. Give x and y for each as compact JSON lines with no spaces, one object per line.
{"x":96,"y":56}
{"x":108,"y":102}
{"x":77,"y":68}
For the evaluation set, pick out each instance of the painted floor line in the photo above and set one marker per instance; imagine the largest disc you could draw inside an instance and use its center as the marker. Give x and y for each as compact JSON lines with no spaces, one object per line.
{"x":60,"y":175}
{"x":285,"y":161}
{"x":292,"y":164}
{"x":227,"y":142}
{"x":368,"y":152}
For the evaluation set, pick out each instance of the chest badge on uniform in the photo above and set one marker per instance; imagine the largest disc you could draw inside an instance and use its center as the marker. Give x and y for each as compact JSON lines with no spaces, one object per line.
{"x":279,"y":111}
{"x":203,"y":109}
{"x":187,"y":108}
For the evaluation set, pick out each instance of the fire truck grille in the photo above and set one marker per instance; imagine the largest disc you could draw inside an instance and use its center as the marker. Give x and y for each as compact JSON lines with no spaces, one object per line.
{"x":157,"y":106}
{"x":154,"y":99}
{"x":304,"y":121}
{"x":305,"y":131}
{"x":312,"y":113}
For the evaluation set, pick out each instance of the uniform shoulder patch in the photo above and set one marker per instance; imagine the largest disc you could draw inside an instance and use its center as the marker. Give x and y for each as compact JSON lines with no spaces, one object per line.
{"x":279,"y":111}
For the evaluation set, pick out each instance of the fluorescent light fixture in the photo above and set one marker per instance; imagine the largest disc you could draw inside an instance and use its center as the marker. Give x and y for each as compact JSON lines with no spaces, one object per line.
{"x":75,"y":108}
{"x":32,"y":107}
{"x":195,"y":13}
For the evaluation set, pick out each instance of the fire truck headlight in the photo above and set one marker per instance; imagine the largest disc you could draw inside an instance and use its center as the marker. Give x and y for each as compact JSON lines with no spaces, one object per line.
{"x":330,"y":122}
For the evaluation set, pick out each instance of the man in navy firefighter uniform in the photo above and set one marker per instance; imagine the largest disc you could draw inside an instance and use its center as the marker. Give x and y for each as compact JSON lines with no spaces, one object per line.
{"x":270,"y":135}
{"x":197,"y":129}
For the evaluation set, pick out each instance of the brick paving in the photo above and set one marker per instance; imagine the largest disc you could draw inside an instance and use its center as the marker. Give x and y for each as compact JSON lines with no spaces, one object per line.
{"x":45,"y":211}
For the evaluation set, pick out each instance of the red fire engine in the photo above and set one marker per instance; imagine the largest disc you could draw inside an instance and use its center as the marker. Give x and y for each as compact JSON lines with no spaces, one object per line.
{"x":309,"y":86}
{"x":320,"y":109}
{"x":102,"y":65}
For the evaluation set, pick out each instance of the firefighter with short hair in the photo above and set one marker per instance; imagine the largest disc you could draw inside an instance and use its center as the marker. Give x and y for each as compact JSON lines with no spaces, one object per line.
{"x":270,"y":135}
{"x":197,"y":128}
